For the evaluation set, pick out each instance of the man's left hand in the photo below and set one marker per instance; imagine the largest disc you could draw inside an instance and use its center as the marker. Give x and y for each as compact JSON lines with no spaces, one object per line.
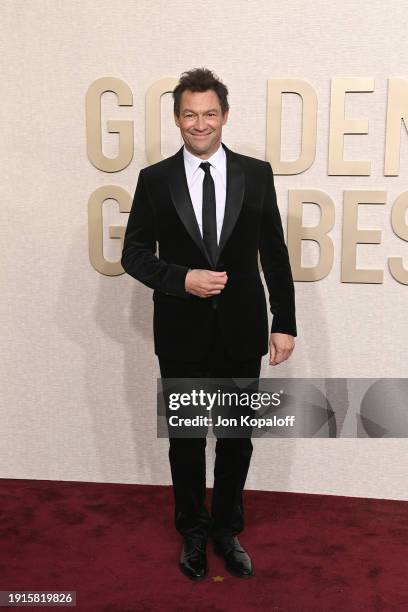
{"x":280,"y":347}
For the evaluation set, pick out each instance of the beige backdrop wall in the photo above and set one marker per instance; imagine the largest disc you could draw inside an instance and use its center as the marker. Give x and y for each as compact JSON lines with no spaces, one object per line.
{"x":78,"y":372}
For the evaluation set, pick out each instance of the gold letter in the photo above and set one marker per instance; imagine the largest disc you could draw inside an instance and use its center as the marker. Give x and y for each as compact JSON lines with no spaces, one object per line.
{"x":353,"y":236}
{"x":153,"y":117}
{"x":396,"y":112}
{"x":95,"y":227}
{"x":276,"y":87}
{"x":298,"y":232}
{"x":339,"y":126}
{"x":93,"y":125}
{"x":401,"y":229}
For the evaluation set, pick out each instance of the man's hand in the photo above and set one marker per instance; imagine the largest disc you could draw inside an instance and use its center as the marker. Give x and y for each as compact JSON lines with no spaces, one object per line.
{"x":280,"y":347}
{"x":205,"y":283}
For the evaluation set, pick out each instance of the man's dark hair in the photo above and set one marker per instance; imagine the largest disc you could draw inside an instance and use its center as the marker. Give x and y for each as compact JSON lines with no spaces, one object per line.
{"x":200,"y":79}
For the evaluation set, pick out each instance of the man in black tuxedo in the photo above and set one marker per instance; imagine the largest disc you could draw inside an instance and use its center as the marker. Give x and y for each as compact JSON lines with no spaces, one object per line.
{"x":211,"y":211}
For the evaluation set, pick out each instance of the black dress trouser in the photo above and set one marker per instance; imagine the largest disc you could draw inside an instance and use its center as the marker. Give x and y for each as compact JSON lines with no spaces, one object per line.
{"x":187,"y":455}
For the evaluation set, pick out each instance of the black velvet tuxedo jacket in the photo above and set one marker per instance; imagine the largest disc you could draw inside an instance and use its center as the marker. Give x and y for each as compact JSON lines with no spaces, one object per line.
{"x":162,"y":212}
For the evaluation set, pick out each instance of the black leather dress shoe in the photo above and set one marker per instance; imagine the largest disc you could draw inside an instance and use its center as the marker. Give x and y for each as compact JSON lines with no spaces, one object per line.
{"x":237,"y":560}
{"x":193,"y":558}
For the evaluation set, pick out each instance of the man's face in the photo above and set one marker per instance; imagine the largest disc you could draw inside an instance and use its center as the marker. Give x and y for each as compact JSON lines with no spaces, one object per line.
{"x":200,"y":122}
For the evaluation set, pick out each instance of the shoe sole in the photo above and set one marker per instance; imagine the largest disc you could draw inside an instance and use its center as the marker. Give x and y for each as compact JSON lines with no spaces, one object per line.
{"x":236,"y":574}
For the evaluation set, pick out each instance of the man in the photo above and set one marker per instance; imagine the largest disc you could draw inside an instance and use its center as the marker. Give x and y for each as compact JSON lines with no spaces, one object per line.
{"x":211,"y":211}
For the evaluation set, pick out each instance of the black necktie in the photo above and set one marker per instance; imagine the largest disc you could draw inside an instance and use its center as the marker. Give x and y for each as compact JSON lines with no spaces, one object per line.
{"x":209,"y":213}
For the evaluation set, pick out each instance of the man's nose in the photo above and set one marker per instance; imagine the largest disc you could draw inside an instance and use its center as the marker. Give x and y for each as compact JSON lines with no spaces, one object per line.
{"x":201,"y":123}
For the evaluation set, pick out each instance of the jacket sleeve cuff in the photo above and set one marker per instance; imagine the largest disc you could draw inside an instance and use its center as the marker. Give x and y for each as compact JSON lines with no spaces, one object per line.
{"x":176,"y":281}
{"x":283,"y":326}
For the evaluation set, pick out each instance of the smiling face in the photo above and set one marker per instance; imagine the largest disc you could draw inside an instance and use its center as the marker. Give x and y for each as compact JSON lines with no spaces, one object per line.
{"x":200,"y":122}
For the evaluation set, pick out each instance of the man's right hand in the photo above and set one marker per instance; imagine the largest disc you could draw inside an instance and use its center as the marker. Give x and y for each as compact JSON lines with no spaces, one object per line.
{"x":205,"y":283}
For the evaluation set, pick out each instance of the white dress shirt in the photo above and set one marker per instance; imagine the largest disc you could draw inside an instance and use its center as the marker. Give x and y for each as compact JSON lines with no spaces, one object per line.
{"x":195,"y":176}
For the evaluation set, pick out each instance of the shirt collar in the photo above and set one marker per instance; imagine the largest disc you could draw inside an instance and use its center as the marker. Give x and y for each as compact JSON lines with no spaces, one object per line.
{"x":193,"y":162}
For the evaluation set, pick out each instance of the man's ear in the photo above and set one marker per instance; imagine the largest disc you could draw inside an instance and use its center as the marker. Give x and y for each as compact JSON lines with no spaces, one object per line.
{"x":176,"y":119}
{"x":225,"y":117}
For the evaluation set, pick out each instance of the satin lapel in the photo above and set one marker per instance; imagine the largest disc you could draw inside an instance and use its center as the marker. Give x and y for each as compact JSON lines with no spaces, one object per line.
{"x":234,"y":197}
{"x":181,"y":199}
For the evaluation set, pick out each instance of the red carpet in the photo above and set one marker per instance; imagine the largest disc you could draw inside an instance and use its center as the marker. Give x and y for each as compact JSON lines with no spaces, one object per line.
{"x":116,"y":546}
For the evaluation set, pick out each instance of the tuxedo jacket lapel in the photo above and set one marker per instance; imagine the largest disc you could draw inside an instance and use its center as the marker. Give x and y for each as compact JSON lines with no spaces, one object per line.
{"x":234,"y":197}
{"x":182,"y":201}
